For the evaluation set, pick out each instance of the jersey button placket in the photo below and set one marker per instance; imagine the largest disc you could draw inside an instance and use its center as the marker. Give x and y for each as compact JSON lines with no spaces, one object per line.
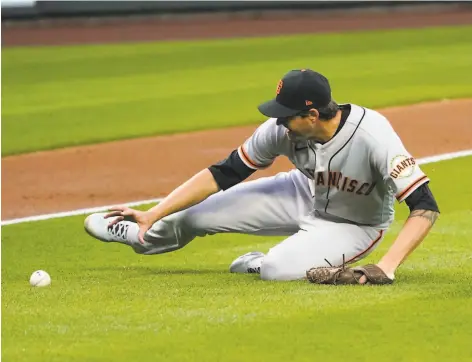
{"x":320,"y":153}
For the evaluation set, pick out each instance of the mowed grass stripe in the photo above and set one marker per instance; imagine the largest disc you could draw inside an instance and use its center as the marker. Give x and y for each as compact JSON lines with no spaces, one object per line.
{"x":161,"y":56}
{"x":46,"y":97}
{"x":107,"y":303}
{"x":60,"y":96}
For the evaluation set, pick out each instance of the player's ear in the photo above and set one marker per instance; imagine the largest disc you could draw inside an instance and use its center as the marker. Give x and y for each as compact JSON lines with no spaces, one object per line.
{"x":314,"y":113}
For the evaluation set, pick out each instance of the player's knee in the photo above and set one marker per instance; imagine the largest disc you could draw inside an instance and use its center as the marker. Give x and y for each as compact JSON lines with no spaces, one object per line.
{"x":277,"y":265}
{"x":274,"y":268}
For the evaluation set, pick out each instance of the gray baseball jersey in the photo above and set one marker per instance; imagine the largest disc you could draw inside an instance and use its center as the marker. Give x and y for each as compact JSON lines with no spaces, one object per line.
{"x":355,"y":176}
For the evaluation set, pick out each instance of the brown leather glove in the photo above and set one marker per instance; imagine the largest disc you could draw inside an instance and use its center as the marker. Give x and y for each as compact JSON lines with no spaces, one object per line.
{"x":342,"y":275}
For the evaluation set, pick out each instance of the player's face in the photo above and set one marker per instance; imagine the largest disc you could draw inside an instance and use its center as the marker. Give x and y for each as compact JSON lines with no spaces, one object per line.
{"x":299,"y":127}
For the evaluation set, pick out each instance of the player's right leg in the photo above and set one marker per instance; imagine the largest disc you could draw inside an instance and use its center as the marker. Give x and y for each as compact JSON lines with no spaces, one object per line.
{"x":267,"y":206}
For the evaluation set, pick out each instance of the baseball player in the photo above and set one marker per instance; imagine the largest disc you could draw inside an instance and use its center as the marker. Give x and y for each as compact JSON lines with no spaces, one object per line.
{"x":334,"y":206}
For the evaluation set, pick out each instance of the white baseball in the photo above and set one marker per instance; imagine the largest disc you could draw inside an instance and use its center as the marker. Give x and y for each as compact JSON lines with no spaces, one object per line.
{"x":40,"y":278}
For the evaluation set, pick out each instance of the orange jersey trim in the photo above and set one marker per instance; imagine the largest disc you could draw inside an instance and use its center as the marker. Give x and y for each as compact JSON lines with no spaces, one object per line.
{"x":248,"y":160}
{"x":409,"y":188}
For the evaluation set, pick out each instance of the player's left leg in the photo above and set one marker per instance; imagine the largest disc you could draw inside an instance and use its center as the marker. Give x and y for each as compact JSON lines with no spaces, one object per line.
{"x":316,"y":243}
{"x":266,"y":206}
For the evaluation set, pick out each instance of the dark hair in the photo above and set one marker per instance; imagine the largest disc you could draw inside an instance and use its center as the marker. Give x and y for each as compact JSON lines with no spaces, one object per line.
{"x":329,"y":111}
{"x":326,"y":112}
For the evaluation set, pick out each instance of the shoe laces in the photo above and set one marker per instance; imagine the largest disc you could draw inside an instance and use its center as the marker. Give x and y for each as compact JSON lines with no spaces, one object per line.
{"x":119,"y":230}
{"x":254,"y":270}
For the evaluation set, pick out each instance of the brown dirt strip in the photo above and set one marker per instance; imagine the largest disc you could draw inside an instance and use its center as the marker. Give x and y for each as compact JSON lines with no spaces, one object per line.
{"x":123,"y":171}
{"x":70,"y":31}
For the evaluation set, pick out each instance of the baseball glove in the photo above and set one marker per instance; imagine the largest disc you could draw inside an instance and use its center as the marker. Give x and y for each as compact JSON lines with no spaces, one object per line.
{"x":342,"y":275}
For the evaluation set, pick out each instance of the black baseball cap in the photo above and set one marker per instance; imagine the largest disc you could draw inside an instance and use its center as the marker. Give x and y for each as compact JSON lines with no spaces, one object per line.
{"x":299,"y":90}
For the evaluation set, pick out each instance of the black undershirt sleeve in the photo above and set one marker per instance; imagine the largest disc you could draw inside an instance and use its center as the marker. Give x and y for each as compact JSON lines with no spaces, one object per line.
{"x":422,"y":199}
{"x":231,"y":171}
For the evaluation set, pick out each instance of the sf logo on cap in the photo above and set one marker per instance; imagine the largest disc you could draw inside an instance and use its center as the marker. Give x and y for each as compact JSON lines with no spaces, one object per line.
{"x":279,"y":86}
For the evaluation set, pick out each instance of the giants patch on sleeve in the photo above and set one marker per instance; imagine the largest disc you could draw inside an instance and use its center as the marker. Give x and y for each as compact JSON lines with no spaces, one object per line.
{"x":402,"y":166}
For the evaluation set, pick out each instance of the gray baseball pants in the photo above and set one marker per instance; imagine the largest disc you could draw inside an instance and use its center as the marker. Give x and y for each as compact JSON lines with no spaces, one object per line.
{"x":280,"y":205}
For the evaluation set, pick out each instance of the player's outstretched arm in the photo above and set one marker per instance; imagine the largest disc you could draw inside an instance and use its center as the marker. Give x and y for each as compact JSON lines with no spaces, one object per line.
{"x":238,"y":166}
{"x":191,"y":192}
{"x":417,"y":226}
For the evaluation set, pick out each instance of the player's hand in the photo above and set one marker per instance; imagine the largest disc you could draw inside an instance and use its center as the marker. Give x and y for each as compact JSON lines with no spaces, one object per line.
{"x":382,"y":267}
{"x":144,"y":219}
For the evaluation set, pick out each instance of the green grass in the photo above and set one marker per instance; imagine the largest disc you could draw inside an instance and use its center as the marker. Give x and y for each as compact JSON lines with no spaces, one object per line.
{"x":61,"y":96}
{"x":108,"y":304}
